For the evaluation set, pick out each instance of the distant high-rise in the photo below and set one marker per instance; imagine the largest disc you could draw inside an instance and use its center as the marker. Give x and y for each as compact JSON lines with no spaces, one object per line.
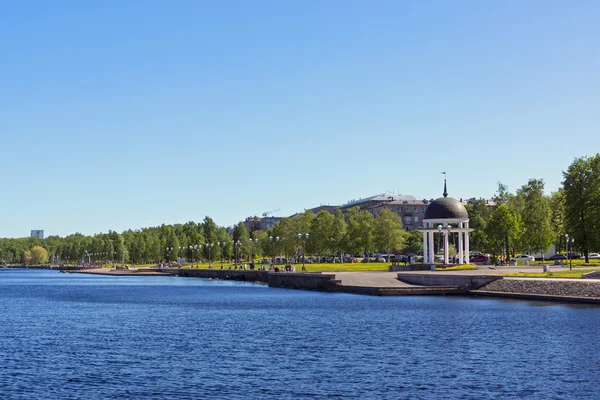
{"x":37,"y":234}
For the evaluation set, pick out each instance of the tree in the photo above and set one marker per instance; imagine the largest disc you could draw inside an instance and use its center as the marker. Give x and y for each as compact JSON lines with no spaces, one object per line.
{"x":414,"y":242}
{"x":338,"y":233}
{"x":209,"y":228}
{"x":503,"y":229}
{"x":321,"y":230}
{"x":557,"y":218}
{"x":261,"y":241}
{"x":536,"y":217}
{"x":39,"y":255}
{"x":479,"y":214}
{"x":240,"y":233}
{"x":359,"y":235}
{"x":388,"y":234}
{"x":582,"y":202}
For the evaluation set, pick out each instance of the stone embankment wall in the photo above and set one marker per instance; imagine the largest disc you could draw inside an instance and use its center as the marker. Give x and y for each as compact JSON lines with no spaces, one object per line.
{"x":448,"y":279}
{"x":315,"y":281}
{"x":227,"y":274}
{"x":302,"y":280}
{"x":567,"y":288}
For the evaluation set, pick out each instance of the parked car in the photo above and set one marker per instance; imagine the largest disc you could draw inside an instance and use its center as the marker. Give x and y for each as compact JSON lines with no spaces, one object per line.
{"x":558,"y":257}
{"x":574,"y":256}
{"x":480,"y":258}
{"x":522,"y":257}
{"x":594,"y":256}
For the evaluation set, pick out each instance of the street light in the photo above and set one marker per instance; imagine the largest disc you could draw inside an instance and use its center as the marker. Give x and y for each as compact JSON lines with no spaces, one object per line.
{"x":253,"y":242}
{"x":569,"y":249}
{"x":303,"y":239}
{"x":445,"y":233}
{"x":221,"y":245}
{"x":237,"y":247}
{"x":274,"y":241}
{"x":169,"y":250}
{"x":209,"y":246}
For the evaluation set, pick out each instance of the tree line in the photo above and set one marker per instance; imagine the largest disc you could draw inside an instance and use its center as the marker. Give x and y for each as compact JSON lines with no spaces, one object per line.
{"x":339,"y":233}
{"x":531,"y":221}
{"x":527,"y":220}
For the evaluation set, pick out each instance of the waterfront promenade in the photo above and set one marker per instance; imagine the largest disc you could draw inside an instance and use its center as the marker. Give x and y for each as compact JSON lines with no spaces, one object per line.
{"x":483,"y":281}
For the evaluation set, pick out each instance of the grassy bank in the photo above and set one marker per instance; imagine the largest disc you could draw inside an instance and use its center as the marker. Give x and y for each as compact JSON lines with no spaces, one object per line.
{"x":327,"y":267}
{"x":576,"y":263}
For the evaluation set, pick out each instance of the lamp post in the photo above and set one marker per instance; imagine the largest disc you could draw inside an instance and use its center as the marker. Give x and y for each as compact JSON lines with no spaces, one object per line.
{"x":569,"y":249}
{"x":445,"y":233}
{"x":571,"y":254}
{"x":274,"y":241}
{"x":253,"y":242}
{"x":567,"y":246}
{"x":303,"y":239}
{"x":237,"y":247}
{"x":221,"y":245}
{"x":209,"y":246}
{"x":169,"y":249}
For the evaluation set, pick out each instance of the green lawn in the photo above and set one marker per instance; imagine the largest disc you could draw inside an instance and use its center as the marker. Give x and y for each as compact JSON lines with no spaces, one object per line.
{"x":327,"y":267}
{"x":466,"y":267}
{"x":576,"y":263}
{"x":576,"y":273}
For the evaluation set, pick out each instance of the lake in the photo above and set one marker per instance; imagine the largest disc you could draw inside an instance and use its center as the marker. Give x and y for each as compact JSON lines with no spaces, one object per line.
{"x":75,"y":336}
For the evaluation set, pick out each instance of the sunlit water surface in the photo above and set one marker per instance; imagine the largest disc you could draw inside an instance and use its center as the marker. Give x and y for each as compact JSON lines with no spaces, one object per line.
{"x":71,"y":336}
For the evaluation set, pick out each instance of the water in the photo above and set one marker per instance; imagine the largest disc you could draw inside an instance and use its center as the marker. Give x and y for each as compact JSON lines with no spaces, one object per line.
{"x":70,"y":336}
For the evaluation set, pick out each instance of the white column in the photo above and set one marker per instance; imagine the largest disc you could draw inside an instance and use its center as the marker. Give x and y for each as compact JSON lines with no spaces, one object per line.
{"x":467,"y":247}
{"x":431,"y":248}
{"x":446,"y":247}
{"x":425,"y":247}
{"x":460,"y":247}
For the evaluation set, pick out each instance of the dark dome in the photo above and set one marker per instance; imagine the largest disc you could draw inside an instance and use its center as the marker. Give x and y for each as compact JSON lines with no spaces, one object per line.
{"x":446,"y":208}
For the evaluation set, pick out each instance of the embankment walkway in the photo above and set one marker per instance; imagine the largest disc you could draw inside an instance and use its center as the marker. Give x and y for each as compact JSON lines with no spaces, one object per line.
{"x":480,"y":282}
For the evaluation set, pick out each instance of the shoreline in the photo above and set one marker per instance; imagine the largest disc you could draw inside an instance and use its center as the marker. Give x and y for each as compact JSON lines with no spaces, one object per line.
{"x":472,"y":284}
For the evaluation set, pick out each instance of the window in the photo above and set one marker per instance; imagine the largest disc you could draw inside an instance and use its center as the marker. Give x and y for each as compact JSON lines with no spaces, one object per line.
{"x":416,"y":218}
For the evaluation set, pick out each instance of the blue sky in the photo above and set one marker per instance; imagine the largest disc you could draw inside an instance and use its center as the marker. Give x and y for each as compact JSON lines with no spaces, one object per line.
{"x":125,"y":114}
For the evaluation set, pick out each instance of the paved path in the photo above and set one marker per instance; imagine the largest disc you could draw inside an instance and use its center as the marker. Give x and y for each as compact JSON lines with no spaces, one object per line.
{"x":370,"y":279}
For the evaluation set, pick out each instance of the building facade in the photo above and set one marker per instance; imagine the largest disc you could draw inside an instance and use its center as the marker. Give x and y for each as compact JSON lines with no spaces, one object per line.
{"x":38,"y":234}
{"x":261,"y":224}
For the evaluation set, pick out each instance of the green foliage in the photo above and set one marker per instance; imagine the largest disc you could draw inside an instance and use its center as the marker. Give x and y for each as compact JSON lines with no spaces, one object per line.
{"x":464,"y":267}
{"x":39,"y":255}
{"x":503,"y":229}
{"x":387,"y":231}
{"x":557,"y":218}
{"x":536,"y":215}
{"x":359,"y":234}
{"x":414,"y":242}
{"x":321,"y":231}
{"x":479,"y":215}
{"x":582,"y":203}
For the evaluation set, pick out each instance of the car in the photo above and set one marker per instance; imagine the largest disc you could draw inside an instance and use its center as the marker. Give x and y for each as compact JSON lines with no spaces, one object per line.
{"x":574,"y":256}
{"x":558,"y":257}
{"x":480,"y":258}
{"x":522,"y":257}
{"x":594,"y":256}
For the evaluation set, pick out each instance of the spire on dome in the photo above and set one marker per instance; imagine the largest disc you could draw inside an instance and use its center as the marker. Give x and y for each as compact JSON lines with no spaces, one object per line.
{"x":445,"y":189}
